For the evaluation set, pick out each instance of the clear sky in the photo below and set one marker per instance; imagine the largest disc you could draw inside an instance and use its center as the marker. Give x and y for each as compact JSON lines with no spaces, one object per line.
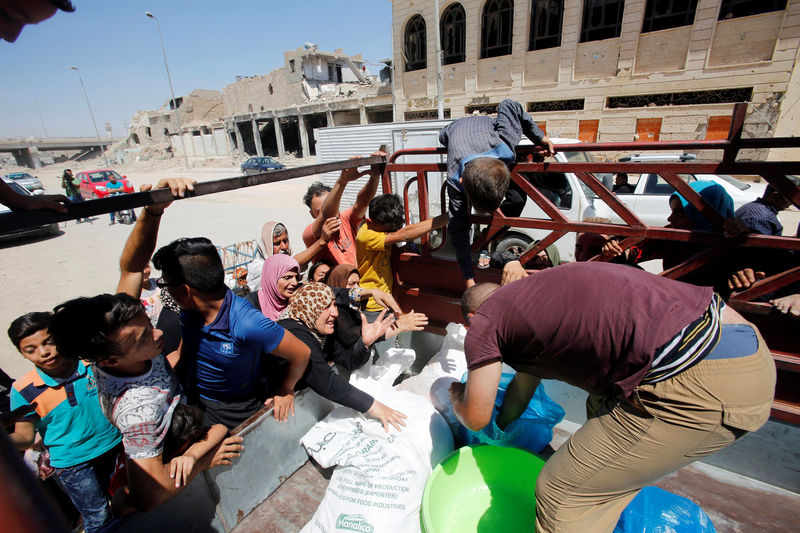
{"x":208,"y":44}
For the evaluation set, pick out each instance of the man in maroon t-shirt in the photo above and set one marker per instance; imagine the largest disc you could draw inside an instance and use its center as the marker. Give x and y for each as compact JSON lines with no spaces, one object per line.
{"x":678,"y":384}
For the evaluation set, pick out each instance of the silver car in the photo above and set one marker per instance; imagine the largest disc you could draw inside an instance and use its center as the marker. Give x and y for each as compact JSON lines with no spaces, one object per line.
{"x":31,"y":183}
{"x":46,"y":229}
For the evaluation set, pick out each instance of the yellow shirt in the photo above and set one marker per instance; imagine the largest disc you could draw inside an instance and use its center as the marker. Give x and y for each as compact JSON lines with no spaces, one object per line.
{"x":374,"y":263}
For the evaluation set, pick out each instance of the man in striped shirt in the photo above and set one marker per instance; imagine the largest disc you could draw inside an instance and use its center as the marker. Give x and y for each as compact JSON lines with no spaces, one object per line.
{"x":683,"y":375}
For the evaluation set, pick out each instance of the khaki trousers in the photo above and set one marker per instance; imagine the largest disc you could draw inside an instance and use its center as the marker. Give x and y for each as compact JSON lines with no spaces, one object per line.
{"x":588,"y":482}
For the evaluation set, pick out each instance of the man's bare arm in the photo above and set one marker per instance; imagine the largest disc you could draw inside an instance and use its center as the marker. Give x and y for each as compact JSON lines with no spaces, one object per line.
{"x":141,"y":242}
{"x":412,"y":231}
{"x":367,"y":192}
{"x":330,"y":228}
{"x":473,"y":401}
{"x":518,"y":396}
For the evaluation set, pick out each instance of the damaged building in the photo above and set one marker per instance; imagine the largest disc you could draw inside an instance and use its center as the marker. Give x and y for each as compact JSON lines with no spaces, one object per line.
{"x":200,"y":114}
{"x":276,"y":113}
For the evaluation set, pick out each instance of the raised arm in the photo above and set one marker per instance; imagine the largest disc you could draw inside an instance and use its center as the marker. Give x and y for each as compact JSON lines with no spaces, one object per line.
{"x":412,"y":231}
{"x":367,"y":192}
{"x":142,"y":241}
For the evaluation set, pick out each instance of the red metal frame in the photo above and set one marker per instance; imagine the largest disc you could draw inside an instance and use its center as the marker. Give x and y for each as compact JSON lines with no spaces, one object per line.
{"x":434,"y":286}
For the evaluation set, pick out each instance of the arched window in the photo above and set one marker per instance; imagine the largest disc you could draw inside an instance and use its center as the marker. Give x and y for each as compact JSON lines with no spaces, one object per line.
{"x":414,"y":48}
{"x":453,"y":34}
{"x":497,"y":28}
{"x":546,"y":19}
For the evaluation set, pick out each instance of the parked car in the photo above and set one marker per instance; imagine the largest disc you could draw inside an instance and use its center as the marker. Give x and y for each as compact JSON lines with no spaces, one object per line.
{"x":28,"y":181}
{"x":93,"y":183}
{"x":46,"y":229}
{"x":257,"y":165}
{"x":650,"y":196}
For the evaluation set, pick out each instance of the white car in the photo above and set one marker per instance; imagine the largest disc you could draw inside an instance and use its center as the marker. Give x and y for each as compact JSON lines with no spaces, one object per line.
{"x":650,"y":198}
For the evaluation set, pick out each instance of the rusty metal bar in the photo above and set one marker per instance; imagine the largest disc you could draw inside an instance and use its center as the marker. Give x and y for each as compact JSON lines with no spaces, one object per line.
{"x":540,"y":199}
{"x":697,"y":260}
{"x":735,"y":132}
{"x":610,"y":199}
{"x":27,"y":219}
{"x":417,"y":178}
{"x":552,"y":237}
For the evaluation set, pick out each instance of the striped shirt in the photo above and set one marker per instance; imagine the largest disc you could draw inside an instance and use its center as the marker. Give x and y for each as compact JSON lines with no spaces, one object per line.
{"x":689,"y":346}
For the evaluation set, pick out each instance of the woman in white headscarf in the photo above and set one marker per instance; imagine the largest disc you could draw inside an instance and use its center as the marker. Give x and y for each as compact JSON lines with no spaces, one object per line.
{"x":274,"y":239}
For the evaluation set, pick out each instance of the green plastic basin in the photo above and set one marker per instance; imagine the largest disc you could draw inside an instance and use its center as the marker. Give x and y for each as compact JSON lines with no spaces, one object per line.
{"x":482,"y":489}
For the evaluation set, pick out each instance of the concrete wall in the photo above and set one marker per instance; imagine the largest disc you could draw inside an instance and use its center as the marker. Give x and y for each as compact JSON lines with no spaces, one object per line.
{"x":758,"y":51}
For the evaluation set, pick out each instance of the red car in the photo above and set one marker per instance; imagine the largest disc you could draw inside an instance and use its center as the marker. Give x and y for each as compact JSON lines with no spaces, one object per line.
{"x":93,"y":183}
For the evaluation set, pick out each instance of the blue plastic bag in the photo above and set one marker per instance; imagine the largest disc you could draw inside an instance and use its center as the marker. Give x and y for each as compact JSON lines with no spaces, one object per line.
{"x":532,"y":431}
{"x":656,"y":510}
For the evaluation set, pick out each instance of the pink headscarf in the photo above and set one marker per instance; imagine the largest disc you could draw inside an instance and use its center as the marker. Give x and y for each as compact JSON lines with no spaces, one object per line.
{"x":271,"y":301}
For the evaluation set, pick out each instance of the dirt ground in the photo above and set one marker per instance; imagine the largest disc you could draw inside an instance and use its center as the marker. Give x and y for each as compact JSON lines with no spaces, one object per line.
{"x":82,"y":260}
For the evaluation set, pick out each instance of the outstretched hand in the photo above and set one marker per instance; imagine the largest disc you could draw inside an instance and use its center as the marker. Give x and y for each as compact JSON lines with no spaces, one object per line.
{"x":387,"y":416}
{"x":384,"y":299}
{"x":230,"y":449}
{"x":512,"y":271}
{"x":410,"y":322}
{"x":177,"y":186}
{"x":370,"y":332}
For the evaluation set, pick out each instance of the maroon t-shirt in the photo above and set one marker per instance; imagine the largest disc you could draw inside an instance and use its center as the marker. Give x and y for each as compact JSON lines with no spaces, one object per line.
{"x":593,"y":325}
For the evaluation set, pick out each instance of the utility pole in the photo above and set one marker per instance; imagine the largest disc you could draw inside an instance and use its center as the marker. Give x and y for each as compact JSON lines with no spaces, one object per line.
{"x":171,"y":90}
{"x":91,"y":114}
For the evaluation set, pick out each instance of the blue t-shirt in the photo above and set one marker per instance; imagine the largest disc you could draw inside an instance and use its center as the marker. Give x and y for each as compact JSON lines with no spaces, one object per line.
{"x":227,"y":361}
{"x":68,"y":415}
{"x":114,"y":187}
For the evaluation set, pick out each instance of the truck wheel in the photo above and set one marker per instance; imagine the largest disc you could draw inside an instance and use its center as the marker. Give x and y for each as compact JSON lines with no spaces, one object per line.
{"x":515,"y":244}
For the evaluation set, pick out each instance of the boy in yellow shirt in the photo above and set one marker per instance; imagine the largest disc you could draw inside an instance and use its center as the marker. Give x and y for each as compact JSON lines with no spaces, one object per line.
{"x":381,"y":229}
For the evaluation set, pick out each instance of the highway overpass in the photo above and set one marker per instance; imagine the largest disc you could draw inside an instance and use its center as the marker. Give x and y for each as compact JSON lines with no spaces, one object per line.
{"x":26,"y":151}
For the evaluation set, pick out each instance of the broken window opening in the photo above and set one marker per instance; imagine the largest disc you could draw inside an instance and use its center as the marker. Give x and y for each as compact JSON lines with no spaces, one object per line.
{"x":291,"y":65}
{"x":414,"y":45}
{"x":720,"y":96}
{"x":731,"y":9}
{"x":269,"y":88}
{"x":453,"y":34}
{"x":497,"y":28}
{"x":147,"y":131}
{"x":602,"y":19}
{"x":426,"y":114}
{"x":546,"y":20}
{"x":666,"y":14}
{"x":556,"y":105}
{"x":482,"y":109}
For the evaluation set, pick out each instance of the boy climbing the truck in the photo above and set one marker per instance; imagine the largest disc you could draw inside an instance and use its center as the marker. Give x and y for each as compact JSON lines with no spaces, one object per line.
{"x":479,"y":150}
{"x":382,"y":228}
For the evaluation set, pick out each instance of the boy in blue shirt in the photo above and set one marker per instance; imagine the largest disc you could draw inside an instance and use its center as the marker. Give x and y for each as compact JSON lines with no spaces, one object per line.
{"x":83,"y":444}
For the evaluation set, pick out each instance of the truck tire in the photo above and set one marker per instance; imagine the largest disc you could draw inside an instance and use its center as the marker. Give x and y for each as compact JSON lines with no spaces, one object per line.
{"x":514,"y":243}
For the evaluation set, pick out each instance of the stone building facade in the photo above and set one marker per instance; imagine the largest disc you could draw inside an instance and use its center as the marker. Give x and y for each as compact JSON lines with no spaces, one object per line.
{"x":276,"y":113}
{"x":605,"y":70}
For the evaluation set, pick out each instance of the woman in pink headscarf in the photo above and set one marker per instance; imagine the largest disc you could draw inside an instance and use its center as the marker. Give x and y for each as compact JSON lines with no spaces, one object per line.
{"x":280,"y":277}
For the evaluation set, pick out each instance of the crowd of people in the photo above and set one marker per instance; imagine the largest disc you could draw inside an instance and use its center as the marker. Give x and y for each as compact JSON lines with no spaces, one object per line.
{"x":135,"y":393}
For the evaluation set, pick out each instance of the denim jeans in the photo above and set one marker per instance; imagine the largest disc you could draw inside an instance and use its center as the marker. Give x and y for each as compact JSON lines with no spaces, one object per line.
{"x":86,"y":484}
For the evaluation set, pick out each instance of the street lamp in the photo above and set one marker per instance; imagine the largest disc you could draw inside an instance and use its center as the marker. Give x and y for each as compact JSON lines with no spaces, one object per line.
{"x":171,"y":90}
{"x":36,"y":105}
{"x":91,"y":114}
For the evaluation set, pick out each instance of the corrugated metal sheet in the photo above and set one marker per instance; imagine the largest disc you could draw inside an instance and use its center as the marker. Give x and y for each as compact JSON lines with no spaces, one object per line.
{"x":343,"y":142}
